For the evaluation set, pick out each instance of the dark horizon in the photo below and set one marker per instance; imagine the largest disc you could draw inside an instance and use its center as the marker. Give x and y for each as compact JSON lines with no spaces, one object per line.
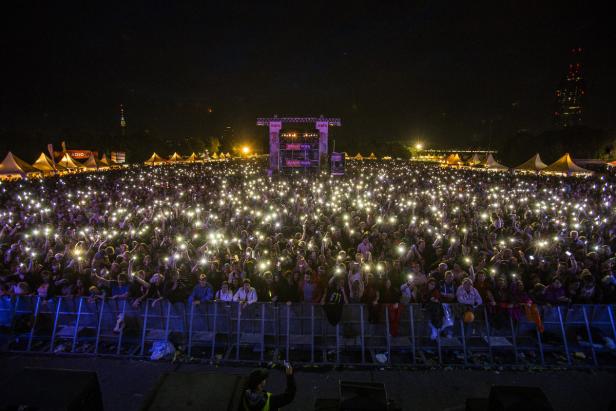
{"x":445,"y":74}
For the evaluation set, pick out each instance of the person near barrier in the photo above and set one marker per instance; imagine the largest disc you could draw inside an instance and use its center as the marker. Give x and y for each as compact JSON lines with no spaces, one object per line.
{"x":431,"y":299}
{"x":225,"y":293}
{"x":334,"y":299}
{"x":467,"y":294}
{"x":203,"y":291}
{"x":246,"y":295}
{"x":256,"y":398}
{"x":390,"y":297}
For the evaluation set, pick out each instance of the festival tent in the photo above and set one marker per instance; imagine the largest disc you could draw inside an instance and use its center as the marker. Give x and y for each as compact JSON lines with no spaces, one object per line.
{"x":14,"y":167}
{"x":228,"y":155}
{"x":114,"y":164}
{"x":453,"y":159}
{"x":371,"y":156}
{"x":154,"y":160}
{"x":492,"y":164}
{"x":533,"y":164}
{"x":175,"y":157}
{"x":92,"y":164}
{"x":474,"y":160}
{"x":387,"y":158}
{"x":565,"y":165}
{"x":346,"y":155}
{"x":358,"y":157}
{"x":44,"y":164}
{"x":192,"y":158}
{"x":215,"y":156}
{"x":103,"y":161}
{"x":67,"y":162}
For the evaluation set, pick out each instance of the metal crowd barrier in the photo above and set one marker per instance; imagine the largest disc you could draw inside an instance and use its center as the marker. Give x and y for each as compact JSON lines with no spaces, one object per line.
{"x":379,"y":335}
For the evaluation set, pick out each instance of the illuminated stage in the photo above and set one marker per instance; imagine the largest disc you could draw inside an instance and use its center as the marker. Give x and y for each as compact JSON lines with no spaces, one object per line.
{"x":297,"y":145}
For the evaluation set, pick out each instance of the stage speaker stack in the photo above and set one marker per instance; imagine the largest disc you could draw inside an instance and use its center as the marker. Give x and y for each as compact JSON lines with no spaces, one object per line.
{"x":52,"y":389}
{"x":195,"y":391}
{"x":511,"y":398}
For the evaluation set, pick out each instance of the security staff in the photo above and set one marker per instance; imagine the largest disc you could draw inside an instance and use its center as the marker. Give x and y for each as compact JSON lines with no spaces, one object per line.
{"x":255,"y":397}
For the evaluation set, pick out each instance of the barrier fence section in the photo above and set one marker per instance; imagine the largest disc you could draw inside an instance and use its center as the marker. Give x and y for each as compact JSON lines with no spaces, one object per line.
{"x":358,"y":334}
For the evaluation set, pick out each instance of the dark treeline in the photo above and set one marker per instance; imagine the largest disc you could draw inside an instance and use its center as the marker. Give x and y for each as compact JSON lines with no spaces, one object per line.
{"x":580,"y":142}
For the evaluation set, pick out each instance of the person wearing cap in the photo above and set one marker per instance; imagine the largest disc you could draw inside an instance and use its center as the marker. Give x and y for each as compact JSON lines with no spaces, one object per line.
{"x":203,"y":291}
{"x":256,"y":398}
{"x":246,"y":294}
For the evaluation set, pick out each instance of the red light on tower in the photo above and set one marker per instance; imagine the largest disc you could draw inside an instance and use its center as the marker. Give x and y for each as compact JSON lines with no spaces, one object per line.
{"x":570,"y":93}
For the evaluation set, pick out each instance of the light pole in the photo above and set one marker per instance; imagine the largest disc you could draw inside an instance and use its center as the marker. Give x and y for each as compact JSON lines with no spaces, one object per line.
{"x":416,"y":148}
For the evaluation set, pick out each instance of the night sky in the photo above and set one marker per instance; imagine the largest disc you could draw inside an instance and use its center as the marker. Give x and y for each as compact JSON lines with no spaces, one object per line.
{"x":439,"y":71}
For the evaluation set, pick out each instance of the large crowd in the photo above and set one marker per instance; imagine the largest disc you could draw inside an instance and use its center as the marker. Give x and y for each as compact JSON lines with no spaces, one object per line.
{"x":388,"y":233}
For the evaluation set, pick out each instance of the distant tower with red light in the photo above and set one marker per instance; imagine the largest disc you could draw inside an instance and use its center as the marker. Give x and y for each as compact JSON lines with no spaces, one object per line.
{"x":570,"y":94}
{"x":122,"y":120}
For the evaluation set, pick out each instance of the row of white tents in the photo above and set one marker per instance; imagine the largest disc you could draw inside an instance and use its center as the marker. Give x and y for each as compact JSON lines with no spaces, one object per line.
{"x":13,"y":167}
{"x":563,"y":166}
{"x":358,"y":156}
{"x":156,"y":159}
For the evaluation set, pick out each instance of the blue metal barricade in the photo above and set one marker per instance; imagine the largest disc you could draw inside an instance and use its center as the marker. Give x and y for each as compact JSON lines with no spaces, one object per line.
{"x":64,"y":324}
{"x":399,"y":332}
{"x":248,"y":322}
{"x":603,"y":326}
{"x":202,"y":327}
{"x":86,"y":327}
{"x":162,"y":321}
{"x":578,"y":335}
{"x":529,"y":338}
{"x":7,"y":309}
{"x":581,"y":345}
{"x":554,"y":339}
{"x":43,"y":324}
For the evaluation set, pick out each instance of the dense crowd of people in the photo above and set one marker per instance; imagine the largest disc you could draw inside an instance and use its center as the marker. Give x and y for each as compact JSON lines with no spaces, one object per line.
{"x":387,"y":233}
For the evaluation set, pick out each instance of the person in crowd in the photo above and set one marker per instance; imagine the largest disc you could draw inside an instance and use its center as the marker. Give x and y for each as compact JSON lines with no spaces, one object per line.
{"x":120,"y":289}
{"x":288,"y":289}
{"x":246,"y":295}
{"x":448,"y":288}
{"x":336,"y":294}
{"x":390,"y":297}
{"x":202,"y":292}
{"x":225,"y":293}
{"x":431,"y":300}
{"x":144,"y":233}
{"x":310,"y":290}
{"x":371,"y":298}
{"x":467,"y":294}
{"x":555,"y":293}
